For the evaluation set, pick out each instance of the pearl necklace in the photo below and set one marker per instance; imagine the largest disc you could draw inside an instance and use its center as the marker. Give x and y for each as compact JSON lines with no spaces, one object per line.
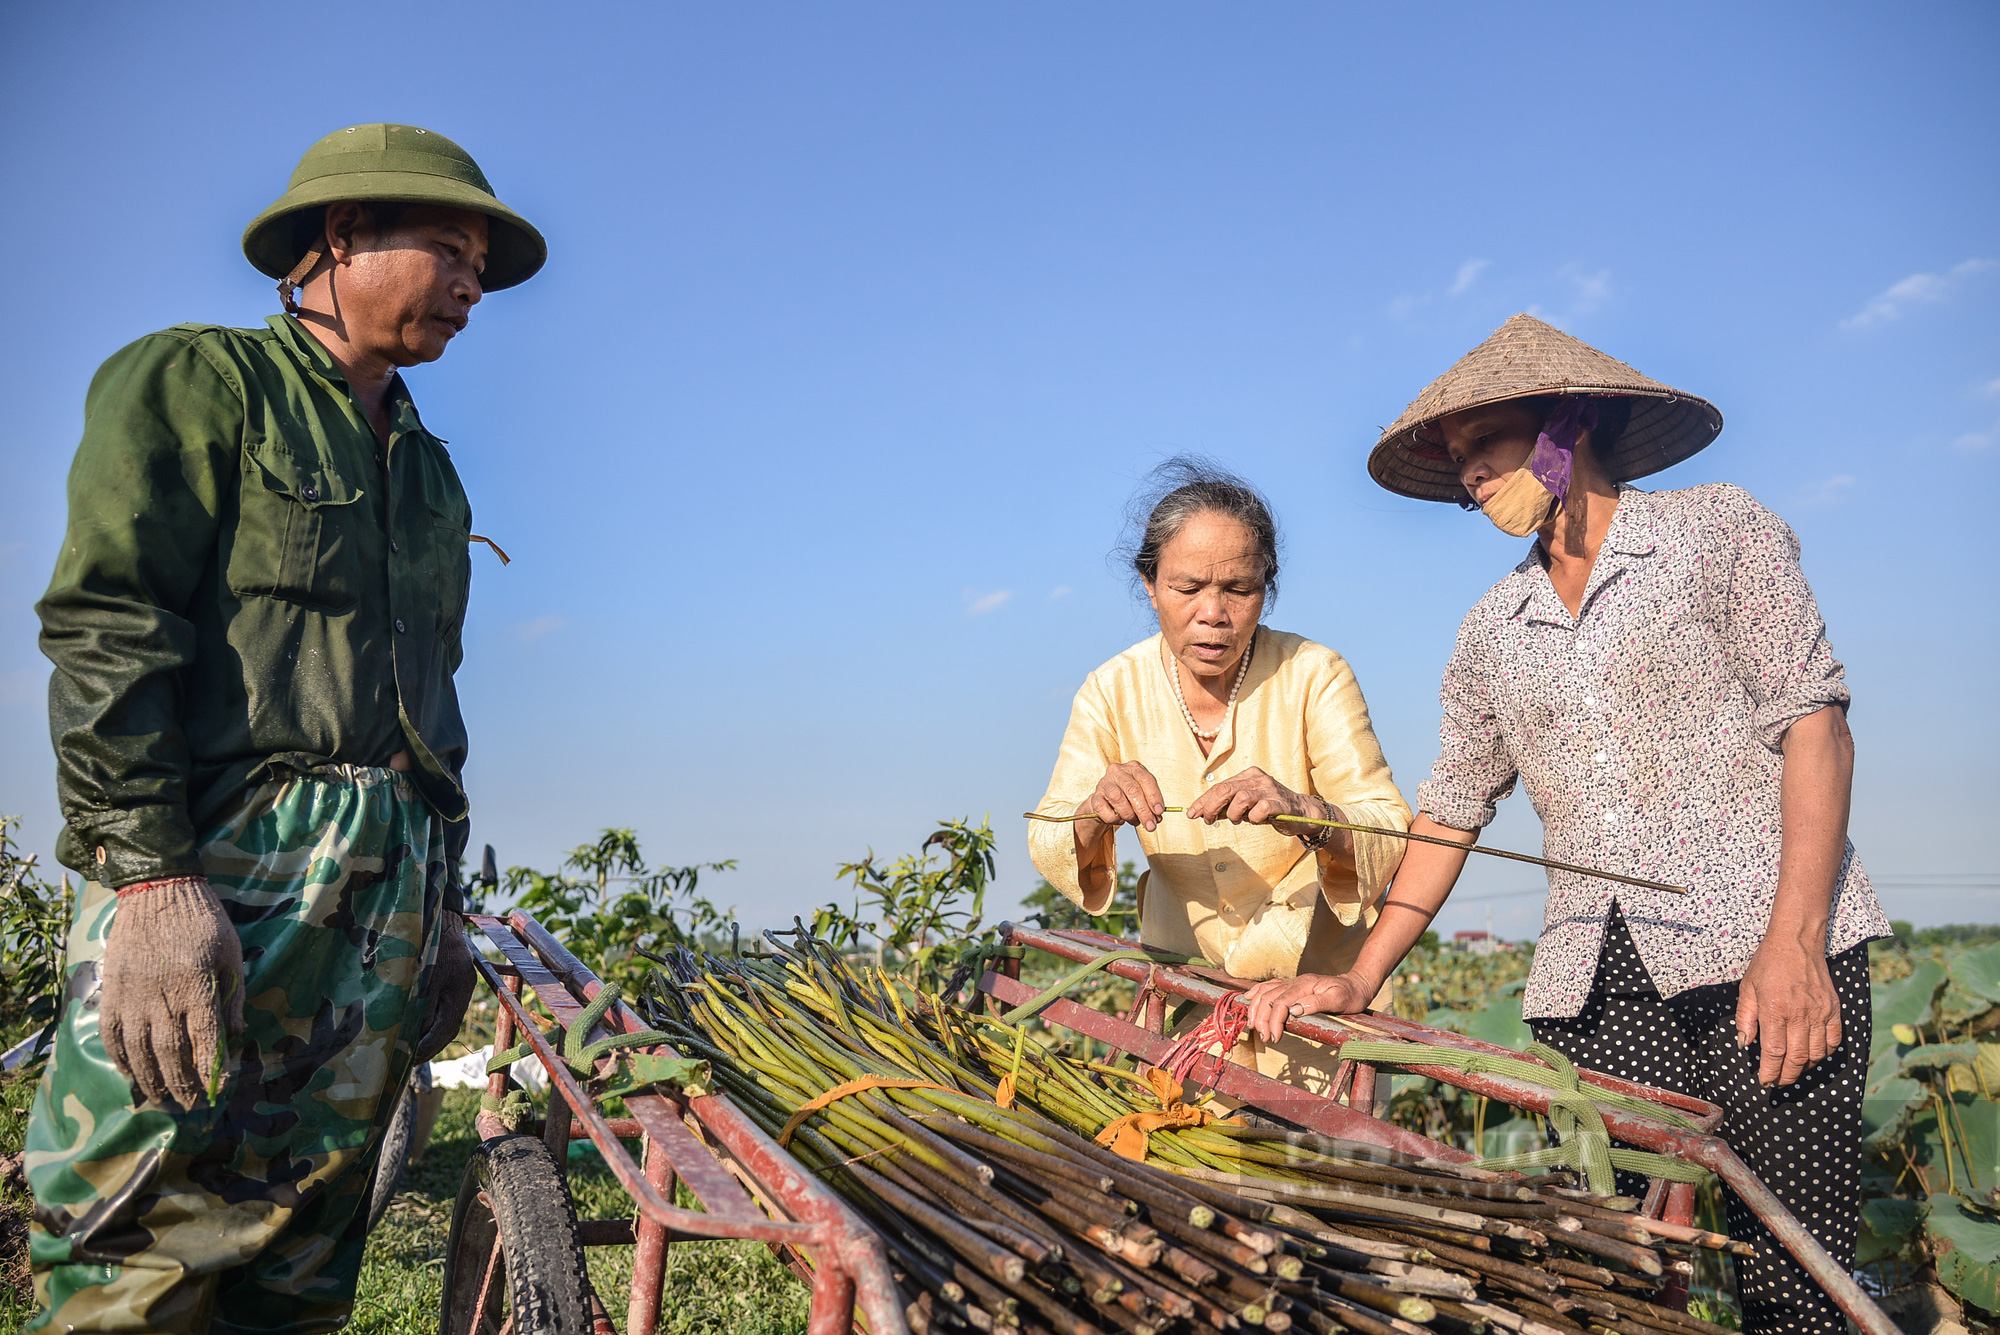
{"x":1174,"y":678}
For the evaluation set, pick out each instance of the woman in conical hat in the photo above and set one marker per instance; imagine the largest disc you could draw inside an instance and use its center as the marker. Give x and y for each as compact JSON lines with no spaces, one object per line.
{"x":1657,"y":673}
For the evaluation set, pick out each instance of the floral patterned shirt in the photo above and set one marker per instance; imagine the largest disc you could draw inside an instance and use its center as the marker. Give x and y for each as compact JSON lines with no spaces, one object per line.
{"x":1648,"y":729}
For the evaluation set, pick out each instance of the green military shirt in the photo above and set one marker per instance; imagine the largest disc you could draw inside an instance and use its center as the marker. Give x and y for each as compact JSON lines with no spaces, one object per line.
{"x":251,"y":582}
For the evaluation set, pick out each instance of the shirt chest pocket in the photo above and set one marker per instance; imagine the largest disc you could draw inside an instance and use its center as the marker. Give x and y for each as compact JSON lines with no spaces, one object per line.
{"x":299,"y":532}
{"x":447,"y":561}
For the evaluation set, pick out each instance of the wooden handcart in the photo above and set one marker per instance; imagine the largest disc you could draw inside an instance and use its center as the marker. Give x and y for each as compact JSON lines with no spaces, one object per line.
{"x":514,"y":1264}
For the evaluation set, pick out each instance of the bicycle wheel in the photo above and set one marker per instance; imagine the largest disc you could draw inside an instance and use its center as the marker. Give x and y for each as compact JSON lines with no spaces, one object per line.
{"x":513,"y":1261}
{"x":395,"y":1155}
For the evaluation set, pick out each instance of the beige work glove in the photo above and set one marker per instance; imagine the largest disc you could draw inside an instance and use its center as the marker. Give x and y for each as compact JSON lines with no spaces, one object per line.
{"x":172,"y":989}
{"x":452,"y":982}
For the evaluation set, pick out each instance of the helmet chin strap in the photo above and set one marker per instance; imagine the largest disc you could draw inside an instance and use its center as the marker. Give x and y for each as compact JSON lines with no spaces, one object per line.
{"x":288,"y":286}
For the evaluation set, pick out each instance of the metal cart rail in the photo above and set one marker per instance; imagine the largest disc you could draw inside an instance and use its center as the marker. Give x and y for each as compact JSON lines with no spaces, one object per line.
{"x":728,"y":1163}
{"x":1141,"y":1034}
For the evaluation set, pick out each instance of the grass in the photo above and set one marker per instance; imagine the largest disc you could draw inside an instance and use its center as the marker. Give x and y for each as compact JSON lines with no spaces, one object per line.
{"x":17,"y":1299}
{"x":712,"y":1288}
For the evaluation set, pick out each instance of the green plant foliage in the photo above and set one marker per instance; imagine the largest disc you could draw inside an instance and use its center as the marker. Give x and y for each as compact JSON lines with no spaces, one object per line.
{"x":1053,"y":909}
{"x":34,"y":930}
{"x":1888,"y":1228}
{"x":1977,"y":973}
{"x":609,"y":907}
{"x":1500,"y":1021}
{"x":1931,"y":1126}
{"x":927,"y":905}
{"x":1908,"y":1001}
{"x":1965,"y":1240}
{"x":1443,"y":978}
{"x":1480,"y":996}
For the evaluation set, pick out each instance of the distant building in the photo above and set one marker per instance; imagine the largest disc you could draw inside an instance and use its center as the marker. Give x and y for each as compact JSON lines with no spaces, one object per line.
{"x":1479,"y":943}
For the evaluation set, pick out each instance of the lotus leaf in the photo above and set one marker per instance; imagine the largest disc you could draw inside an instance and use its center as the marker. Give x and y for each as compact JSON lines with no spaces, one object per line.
{"x":1888,"y":1227}
{"x":1966,"y":1242}
{"x":1957,"y":1005}
{"x":1966,"y":1158}
{"x":1976,"y":1130}
{"x":1936,"y":1055}
{"x":1886,"y":1107}
{"x":1518,"y":1135}
{"x":1499,"y":1021}
{"x":1978,"y":973}
{"x":1907,"y":1001}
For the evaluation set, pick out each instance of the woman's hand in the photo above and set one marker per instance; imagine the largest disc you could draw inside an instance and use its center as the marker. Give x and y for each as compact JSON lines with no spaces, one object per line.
{"x":1272,"y":1003}
{"x":1255,"y":798}
{"x":1787,"y":1005}
{"x":1128,"y":794}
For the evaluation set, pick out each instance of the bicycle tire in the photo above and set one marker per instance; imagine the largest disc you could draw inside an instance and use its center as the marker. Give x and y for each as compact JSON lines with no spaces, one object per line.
{"x":513,"y":1196}
{"x":395,"y":1156}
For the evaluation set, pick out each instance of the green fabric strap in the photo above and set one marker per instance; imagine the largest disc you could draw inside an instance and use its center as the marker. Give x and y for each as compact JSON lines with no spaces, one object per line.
{"x":1030,"y":1008}
{"x":1575,"y":1114}
{"x":515,"y":1110}
{"x":582,"y":1057}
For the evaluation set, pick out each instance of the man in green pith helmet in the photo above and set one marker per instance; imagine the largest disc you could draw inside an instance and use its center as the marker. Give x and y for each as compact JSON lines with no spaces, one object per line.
{"x":254,"y":622}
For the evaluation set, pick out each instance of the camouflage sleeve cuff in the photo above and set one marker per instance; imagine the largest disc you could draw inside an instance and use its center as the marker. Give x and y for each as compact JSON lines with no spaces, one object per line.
{"x":117,"y":848}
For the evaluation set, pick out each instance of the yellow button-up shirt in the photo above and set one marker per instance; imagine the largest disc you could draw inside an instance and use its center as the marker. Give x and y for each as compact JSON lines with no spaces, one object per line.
{"x":1248,"y":898}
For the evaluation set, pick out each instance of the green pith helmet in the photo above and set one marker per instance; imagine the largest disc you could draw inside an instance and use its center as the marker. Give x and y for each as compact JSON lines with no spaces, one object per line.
{"x":392,"y":164}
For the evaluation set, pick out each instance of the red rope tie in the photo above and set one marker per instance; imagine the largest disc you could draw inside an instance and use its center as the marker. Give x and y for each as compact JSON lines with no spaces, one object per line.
{"x":1224,"y":1025}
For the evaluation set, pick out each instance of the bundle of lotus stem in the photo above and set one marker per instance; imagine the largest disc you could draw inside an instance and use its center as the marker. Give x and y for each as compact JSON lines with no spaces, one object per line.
{"x":968,"y":1144}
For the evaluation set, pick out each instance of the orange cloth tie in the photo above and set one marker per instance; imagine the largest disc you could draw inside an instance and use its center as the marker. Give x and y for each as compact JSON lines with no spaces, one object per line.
{"x":1129,"y":1136}
{"x":853,"y":1087}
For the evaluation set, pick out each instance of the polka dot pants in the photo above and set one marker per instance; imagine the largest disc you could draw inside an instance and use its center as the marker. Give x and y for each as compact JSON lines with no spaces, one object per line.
{"x":1803,"y":1140}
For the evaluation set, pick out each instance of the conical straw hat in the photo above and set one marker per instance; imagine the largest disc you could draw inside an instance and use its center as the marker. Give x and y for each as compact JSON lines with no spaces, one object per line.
{"x":1526,"y":357}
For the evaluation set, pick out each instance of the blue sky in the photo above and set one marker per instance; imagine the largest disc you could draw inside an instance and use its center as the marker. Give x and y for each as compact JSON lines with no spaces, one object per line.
{"x":863,"y":320}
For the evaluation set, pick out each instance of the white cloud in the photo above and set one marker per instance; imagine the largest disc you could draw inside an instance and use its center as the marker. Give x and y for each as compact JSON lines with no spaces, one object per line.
{"x":1589,"y":289}
{"x":988,"y":602}
{"x":1060,"y":591}
{"x":1914,"y":290}
{"x":540,"y":626}
{"x":1405,"y":307}
{"x":1973,"y":441}
{"x":1830,"y":491}
{"x":1991,"y":387}
{"x":1592,"y":289}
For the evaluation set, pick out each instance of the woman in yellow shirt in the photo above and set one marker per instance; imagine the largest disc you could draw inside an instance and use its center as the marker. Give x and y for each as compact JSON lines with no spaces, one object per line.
{"x":1240,"y":724}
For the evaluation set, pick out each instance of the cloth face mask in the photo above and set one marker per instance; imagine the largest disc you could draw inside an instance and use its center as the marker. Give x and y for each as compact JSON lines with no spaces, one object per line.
{"x":1538,"y":490}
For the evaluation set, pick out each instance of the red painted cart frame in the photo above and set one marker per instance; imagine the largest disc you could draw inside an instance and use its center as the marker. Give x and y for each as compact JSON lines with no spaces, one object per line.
{"x":1140,"y":1034}
{"x":725,"y":1159}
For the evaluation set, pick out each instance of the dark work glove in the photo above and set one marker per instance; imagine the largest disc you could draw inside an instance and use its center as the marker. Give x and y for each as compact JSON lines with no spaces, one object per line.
{"x":452,"y":981}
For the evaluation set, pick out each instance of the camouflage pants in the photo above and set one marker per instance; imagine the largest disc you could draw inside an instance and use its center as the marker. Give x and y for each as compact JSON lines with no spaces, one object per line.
{"x":250,"y":1214}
